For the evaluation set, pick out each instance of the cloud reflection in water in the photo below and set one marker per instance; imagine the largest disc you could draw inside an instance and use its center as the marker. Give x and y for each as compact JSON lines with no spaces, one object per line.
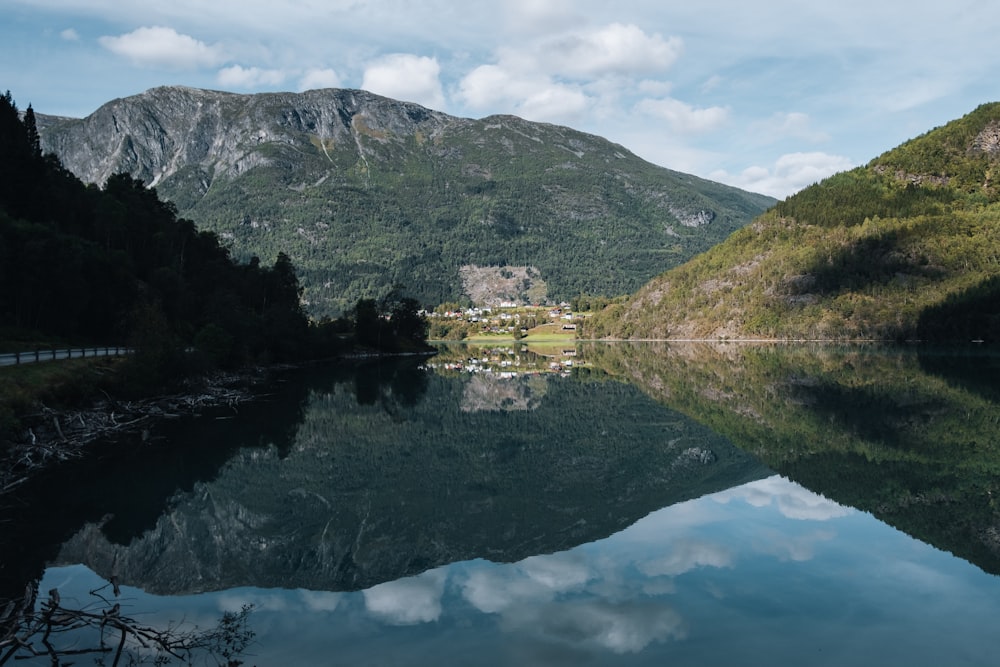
{"x":695,"y":583}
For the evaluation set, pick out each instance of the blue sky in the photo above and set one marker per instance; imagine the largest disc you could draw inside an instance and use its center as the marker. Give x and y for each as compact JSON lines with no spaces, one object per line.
{"x":768,"y":96}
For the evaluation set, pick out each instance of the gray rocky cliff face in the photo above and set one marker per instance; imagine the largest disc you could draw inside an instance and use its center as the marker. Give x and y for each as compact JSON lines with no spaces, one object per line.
{"x":154,"y":135}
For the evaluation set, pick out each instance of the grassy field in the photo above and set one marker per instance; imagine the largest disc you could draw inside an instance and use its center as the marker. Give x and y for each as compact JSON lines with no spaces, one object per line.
{"x":540,"y":334}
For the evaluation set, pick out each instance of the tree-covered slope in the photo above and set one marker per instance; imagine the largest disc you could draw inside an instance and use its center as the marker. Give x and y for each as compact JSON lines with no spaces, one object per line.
{"x":905,"y":247}
{"x":363,"y":192}
{"x":116,"y":264}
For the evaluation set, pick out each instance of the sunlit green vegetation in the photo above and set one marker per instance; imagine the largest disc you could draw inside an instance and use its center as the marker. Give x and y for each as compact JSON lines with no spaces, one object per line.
{"x":906,"y":247}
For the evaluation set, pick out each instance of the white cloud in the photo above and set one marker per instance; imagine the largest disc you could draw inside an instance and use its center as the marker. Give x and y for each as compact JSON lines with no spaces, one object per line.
{"x":408,"y":601}
{"x":621,"y":628}
{"x":541,"y":16}
{"x":655,"y":88}
{"x":616,"y":49}
{"x":539,"y":98}
{"x":915,"y":92}
{"x":554,"y":104}
{"x":683,"y":117}
{"x":70,"y":35}
{"x":494,"y":591}
{"x":319,"y":78}
{"x":790,"y":173}
{"x":570,"y":76}
{"x":798,"y":548}
{"x":158,"y":46}
{"x":557,"y":572}
{"x":711,"y":83}
{"x":406,"y":77}
{"x":237,"y":76}
{"x":688,"y":555}
{"x":792,"y":500}
{"x":490,"y":85}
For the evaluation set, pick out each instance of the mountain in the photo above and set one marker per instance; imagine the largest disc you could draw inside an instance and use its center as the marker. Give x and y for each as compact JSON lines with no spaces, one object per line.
{"x":364,"y":192}
{"x":905,"y":247}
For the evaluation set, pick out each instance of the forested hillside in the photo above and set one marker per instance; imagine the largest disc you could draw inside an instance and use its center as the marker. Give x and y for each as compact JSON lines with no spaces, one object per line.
{"x":906,"y":247}
{"x":364,"y":193}
{"x":116,"y":265}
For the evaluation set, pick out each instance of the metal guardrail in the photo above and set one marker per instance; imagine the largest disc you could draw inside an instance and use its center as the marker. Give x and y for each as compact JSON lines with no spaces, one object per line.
{"x":35,"y":356}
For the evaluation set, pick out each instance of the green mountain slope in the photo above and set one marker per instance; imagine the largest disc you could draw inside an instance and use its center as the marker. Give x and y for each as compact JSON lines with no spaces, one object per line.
{"x":905,"y":247}
{"x":364,"y":192}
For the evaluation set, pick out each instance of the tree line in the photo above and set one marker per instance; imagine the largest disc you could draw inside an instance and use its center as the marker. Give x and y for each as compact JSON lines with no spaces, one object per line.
{"x":117,"y":264}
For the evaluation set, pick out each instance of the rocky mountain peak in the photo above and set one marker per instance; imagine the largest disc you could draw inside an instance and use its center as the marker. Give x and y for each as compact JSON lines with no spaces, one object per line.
{"x":156,"y":133}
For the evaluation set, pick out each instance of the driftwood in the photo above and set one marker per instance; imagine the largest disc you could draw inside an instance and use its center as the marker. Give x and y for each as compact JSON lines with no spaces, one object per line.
{"x":52,"y":436}
{"x":52,"y":630}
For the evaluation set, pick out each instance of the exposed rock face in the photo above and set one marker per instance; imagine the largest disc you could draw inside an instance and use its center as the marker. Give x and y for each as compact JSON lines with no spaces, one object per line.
{"x":154,"y":135}
{"x":988,"y":141}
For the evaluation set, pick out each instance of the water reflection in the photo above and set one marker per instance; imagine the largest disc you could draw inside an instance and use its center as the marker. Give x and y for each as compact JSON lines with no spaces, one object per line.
{"x":763,"y":573}
{"x":868,"y":426}
{"x":400,"y":513}
{"x":379,"y":484}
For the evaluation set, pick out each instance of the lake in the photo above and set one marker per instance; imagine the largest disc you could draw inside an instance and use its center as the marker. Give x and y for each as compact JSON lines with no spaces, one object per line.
{"x":606,"y":504}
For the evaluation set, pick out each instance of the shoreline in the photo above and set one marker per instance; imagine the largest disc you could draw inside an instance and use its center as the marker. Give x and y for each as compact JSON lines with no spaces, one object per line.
{"x":52,"y":436}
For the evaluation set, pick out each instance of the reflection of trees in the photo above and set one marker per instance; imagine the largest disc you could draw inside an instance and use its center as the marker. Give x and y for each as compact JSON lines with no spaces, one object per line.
{"x":974,"y":369}
{"x":864,"y":425}
{"x":62,"y":633}
{"x":373,"y":493}
{"x":391,"y":383}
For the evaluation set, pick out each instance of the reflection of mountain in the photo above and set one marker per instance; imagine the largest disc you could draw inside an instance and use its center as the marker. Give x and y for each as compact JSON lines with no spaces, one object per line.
{"x":371,"y":493}
{"x":867,"y":427}
{"x":491,"y":392}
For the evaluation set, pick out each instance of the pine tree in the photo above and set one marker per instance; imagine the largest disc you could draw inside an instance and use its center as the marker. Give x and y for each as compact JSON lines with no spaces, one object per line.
{"x":31,"y":127}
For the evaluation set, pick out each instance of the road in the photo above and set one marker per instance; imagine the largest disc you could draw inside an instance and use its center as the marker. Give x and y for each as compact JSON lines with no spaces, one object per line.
{"x":15,"y":358}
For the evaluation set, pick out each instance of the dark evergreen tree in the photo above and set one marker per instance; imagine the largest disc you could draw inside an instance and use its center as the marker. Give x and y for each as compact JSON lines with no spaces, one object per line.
{"x":31,"y":128}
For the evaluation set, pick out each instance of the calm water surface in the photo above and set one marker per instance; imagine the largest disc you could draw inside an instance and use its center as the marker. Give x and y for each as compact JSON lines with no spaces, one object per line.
{"x":688,"y":505}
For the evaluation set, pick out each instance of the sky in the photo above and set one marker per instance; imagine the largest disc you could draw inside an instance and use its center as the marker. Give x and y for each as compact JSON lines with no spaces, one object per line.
{"x":767,"y":96}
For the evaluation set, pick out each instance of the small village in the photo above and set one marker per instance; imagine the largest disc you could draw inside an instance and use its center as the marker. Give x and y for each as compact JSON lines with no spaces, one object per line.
{"x":508,"y":320}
